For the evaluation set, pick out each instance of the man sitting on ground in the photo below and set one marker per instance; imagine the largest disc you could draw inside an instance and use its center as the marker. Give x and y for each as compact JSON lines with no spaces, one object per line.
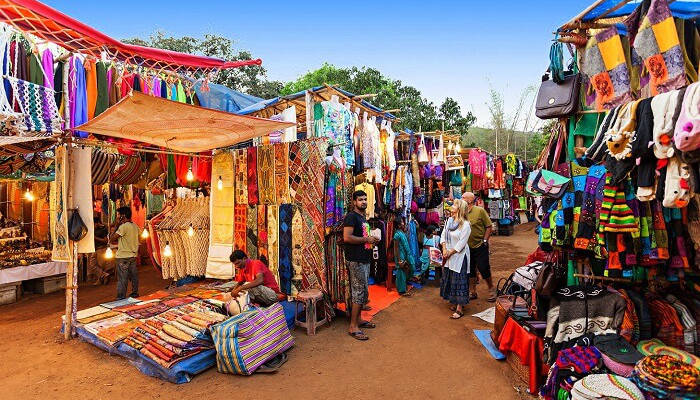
{"x":254,"y":277}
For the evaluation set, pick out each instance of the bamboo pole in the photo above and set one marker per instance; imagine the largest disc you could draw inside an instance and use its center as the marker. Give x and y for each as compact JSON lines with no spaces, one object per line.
{"x":68,"y":316}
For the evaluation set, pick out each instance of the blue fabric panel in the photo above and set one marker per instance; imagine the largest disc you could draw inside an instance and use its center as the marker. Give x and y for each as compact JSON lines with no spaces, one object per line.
{"x":686,"y":9}
{"x":221,"y":98}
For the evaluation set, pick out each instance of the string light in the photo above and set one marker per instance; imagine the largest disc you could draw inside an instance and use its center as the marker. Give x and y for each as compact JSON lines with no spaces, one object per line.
{"x":145,"y":234}
{"x":109,"y":254}
{"x":220,"y":184}
{"x":28,"y":195}
{"x":190,"y":231}
{"x":167,"y":251}
{"x":190,"y":175}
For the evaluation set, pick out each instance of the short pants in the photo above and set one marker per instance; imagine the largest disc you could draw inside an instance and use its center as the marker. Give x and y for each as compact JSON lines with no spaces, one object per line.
{"x":479,"y":259}
{"x":359,"y":286}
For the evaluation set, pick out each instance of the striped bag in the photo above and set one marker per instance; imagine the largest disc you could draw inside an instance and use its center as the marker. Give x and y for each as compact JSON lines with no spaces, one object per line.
{"x":248,"y":340}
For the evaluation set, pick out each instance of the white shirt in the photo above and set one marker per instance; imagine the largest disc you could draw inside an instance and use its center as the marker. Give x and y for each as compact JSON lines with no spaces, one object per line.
{"x":458,"y":242}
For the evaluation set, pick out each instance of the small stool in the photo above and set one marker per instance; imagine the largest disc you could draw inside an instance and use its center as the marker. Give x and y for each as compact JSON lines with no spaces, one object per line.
{"x":309,"y":298}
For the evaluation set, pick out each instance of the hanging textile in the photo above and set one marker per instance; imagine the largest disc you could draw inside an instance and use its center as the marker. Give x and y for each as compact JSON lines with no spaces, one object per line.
{"x":102,"y":101}
{"x":286,"y":213}
{"x":81,"y":171}
{"x":241,"y":160}
{"x":61,"y":247}
{"x":221,"y":218}
{"x":252,"y":177}
{"x":103,"y":165}
{"x":47,"y":67}
{"x":239,"y":226}
{"x":272,"y":240}
{"x":129,"y":172}
{"x":90,"y":86}
{"x":282,"y":173}
{"x":262,"y":232}
{"x":251,"y":243}
{"x":201,"y":169}
{"x":297,"y":255}
{"x":266,"y":174}
{"x":38,"y":106}
{"x":36,"y":74}
{"x":338,"y":279}
{"x":606,"y":66}
{"x":77,"y":95}
{"x":189,"y":252}
{"x":332,"y":120}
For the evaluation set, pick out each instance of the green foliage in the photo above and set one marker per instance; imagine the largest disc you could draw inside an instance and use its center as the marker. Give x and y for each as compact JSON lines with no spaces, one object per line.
{"x":417,"y":112}
{"x":249,"y":79}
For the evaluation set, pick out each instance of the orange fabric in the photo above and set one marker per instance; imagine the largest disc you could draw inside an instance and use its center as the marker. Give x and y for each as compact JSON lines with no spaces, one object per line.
{"x":91,"y":86}
{"x":379,"y":299}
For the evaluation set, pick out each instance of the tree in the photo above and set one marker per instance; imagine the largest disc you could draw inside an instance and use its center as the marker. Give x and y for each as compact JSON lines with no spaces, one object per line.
{"x":417,"y":112}
{"x":250,"y":79}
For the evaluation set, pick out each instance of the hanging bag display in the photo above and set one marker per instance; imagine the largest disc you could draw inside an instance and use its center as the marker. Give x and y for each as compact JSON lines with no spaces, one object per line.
{"x":422,"y":152}
{"x":558,"y":97}
{"x":76,"y":227}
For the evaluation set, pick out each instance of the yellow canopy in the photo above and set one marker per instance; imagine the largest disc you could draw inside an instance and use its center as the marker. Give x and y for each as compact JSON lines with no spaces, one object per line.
{"x":177,"y":126}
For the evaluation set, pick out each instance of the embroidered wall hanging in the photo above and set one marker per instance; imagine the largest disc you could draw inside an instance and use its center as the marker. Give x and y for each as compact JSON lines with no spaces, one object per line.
{"x":241,"y":161}
{"x":285,"y":247}
{"x":282,"y":173}
{"x":239,"y":226}
{"x":252,"y":176}
{"x":61,"y":247}
{"x":297,"y":245}
{"x":221,"y":216}
{"x":262,"y":232}
{"x":272,"y":242}
{"x":266,"y":174}
{"x":251,"y":243}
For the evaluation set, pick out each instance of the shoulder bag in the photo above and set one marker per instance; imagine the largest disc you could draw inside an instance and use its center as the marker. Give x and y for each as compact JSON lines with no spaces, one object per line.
{"x":558,"y":97}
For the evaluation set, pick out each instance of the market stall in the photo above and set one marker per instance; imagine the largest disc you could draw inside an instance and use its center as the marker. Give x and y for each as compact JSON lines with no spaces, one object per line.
{"x":614,"y":295}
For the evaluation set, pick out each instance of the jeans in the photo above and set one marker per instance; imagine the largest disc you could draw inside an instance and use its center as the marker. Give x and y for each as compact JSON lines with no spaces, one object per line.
{"x":127,"y":270}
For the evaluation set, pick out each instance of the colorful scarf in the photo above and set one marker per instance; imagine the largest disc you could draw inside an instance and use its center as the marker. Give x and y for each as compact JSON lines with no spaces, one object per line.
{"x":606,"y":66}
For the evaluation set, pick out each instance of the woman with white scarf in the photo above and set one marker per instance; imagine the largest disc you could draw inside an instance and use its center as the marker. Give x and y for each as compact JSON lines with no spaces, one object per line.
{"x":454,"y":286}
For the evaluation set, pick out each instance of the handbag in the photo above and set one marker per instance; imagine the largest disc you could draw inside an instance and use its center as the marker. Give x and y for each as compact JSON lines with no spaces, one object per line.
{"x":422,"y":152}
{"x":558,"y":97}
{"x":76,"y":227}
{"x":503,"y":306}
{"x":435,"y":255}
{"x":548,"y":183}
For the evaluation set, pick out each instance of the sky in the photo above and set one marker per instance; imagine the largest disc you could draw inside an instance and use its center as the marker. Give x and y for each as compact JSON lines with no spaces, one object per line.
{"x":455,"y":49}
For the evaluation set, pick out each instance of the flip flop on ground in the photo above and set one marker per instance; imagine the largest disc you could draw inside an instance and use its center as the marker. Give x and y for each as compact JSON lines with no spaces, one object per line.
{"x":457,"y":315}
{"x":368,"y":325}
{"x":359,"y":335}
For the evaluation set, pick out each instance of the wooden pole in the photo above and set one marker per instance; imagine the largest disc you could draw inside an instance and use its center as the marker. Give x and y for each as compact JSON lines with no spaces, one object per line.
{"x":309,"y":114}
{"x":71,"y":270}
{"x":581,"y":14}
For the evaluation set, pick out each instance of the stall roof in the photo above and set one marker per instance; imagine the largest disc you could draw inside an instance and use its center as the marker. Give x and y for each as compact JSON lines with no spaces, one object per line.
{"x":177,"y":126}
{"x":603,"y":9}
{"x":11,"y":145}
{"x":278,"y":104}
{"x":50,"y":24}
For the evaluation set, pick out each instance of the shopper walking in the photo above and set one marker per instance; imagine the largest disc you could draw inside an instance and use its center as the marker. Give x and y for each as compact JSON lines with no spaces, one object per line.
{"x":358,"y":250}
{"x":479,"y":246}
{"x":126,"y":236}
{"x":405,"y":263}
{"x":454,"y":286}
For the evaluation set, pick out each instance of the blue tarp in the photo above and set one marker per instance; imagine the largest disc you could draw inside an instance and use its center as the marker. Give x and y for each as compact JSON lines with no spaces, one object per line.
{"x":266,"y":103}
{"x":221,"y":98}
{"x":686,"y":9}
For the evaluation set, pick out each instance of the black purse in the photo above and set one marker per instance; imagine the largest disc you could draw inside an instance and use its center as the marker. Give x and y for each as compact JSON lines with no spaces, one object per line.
{"x":76,"y":227}
{"x":558,"y":97}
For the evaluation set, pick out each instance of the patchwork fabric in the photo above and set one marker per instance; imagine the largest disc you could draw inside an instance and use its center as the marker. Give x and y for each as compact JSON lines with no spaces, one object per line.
{"x":282,"y":173}
{"x":251,"y":243}
{"x":285,"y":247}
{"x":658,"y":45}
{"x":272,"y":242}
{"x":241,"y":176}
{"x":262,"y":232}
{"x":266,"y":174}
{"x":297,"y":245}
{"x":239,"y":226}
{"x":605,"y":65}
{"x":252,"y":177}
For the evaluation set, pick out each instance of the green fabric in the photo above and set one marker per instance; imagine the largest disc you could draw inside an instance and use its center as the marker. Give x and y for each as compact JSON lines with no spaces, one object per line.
{"x":400,"y":281}
{"x":585,"y":125}
{"x":181,"y":96}
{"x":36,"y":73}
{"x":571,"y":280}
{"x":172,"y":174}
{"x":154,"y":203}
{"x":102,"y":86}
{"x":404,"y":254}
{"x":522,"y":201}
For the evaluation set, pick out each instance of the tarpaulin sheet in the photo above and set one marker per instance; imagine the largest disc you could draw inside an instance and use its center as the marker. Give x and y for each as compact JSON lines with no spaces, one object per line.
{"x":219,"y":97}
{"x":686,"y":9}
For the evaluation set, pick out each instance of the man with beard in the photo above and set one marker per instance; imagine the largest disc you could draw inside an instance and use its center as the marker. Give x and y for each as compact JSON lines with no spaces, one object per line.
{"x":358,"y":252}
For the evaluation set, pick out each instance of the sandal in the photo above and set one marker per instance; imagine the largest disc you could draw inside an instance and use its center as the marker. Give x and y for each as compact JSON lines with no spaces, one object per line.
{"x":492,"y":296}
{"x":459,"y":314}
{"x":453,"y":308}
{"x":366,"y":308}
{"x":405,"y":294}
{"x":473,"y":296}
{"x":359,"y":335}
{"x":368,"y":325}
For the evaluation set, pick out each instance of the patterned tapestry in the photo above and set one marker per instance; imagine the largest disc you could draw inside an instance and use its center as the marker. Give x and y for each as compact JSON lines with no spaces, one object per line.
{"x":262,"y":232}
{"x":240,"y":215}
{"x":306,"y":176}
{"x":285,"y":247}
{"x":272,"y":245}
{"x":251,"y":243}
{"x":282,"y":173}
{"x":266,"y":174}
{"x":221,"y":226}
{"x":61,"y":246}
{"x":297,"y":245}
{"x":252,"y":176}
{"x":241,"y":176}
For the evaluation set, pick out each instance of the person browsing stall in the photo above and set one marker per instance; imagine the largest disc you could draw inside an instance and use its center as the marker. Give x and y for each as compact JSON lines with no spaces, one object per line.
{"x":254,"y":277}
{"x":358,"y":251}
{"x":126,"y":236}
{"x":404,"y":262}
{"x":454,"y":286}
{"x":482,"y":228}
{"x":98,"y":265}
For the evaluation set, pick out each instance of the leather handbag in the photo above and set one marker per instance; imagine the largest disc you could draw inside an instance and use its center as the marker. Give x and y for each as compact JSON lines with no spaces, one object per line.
{"x":503,"y":305}
{"x":548,"y":183}
{"x":558,"y":97}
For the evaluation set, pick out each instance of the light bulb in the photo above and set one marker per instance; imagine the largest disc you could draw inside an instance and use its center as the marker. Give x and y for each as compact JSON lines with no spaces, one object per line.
{"x":190,"y":175}
{"x":190,"y":231}
{"x":145,"y":234}
{"x":167,"y":251}
{"x":220,"y":184}
{"x":29,"y":196}
{"x":109,"y":254}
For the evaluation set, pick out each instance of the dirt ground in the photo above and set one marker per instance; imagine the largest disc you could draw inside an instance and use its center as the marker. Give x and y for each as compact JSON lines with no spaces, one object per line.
{"x":416,"y":352}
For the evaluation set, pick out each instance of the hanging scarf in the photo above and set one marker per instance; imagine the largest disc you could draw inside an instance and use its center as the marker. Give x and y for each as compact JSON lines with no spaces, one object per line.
{"x":252,"y":177}
{"x":102,"y":100}
{"x":78,"y":101}
{"x":286,"y":213}
{"x":91,"y":87}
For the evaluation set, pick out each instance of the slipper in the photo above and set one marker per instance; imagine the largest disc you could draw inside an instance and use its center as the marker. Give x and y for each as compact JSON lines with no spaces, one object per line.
{"x":458,"y":313}
{"x":366,"y":308}
{"x":492,"y":296}
{"x":473,"y":296}
{"x":359,"y":335}
{"x":405,"y":294}
{"x":453,"y":308}
{"x":367,"y":325}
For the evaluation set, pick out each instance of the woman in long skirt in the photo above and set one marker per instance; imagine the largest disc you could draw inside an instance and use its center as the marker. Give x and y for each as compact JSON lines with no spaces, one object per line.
{"x":454,"y":286}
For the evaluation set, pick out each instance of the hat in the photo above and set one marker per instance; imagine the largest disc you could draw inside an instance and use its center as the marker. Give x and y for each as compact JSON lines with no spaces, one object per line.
{"x":605,"y":386}
{"x":617,"y":348}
